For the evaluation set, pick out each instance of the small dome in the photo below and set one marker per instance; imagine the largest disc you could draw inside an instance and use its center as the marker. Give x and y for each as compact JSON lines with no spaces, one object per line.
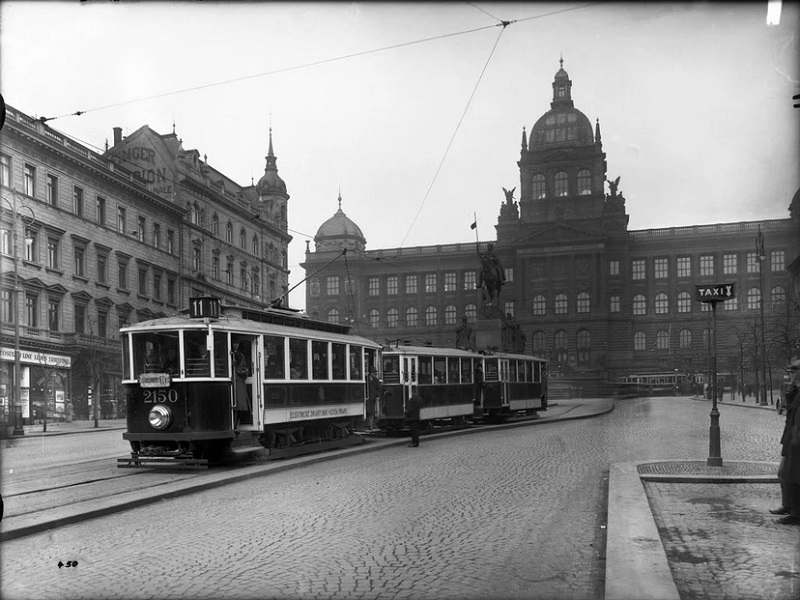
{"x":339,"y":232}
{"x":562,"y":126}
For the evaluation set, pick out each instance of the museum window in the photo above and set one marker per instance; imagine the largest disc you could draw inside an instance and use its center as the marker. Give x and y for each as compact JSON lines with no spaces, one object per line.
{"x":411,"y":284}
{"x":638,"y":269}
{"x":509,"y":273}
{"x":431,"y":316}
{"x":729,"y":264}
{"x":639,"y":341}
{"x":450,"y":282}
{"x":77,"y":201}
{"x":685,"y":339}
{"x":777,"y":261}
{"x":753,"y":299}
{"x":53,"y":252}
{"x":52,"y":190}
{"x":731,"y":304}
{"x":374,"y":286}
{"x":613,"y":267}
{"x":684,"y":302}
{"x":583,"y":304}
{"x":684,"y":266}
{"x":538,"y":345}
{"x":584,"y":346}
{"x":661,"y":268}
{"x":753,"y":264}
{"x":54,"y":314}
{"x":539,"y":305}
{"x":392,"y":318}
{"x":470,"y":280}
{"x":374,"y":318}
{"x":661,"y":304}
{"x":539,"y":186}
{"x":560,"y":343}
{"x":430,"y":283}
{"x":508,"y":308}
{"x":778,"y":297}
{"x":584,"y":182}
{"x":662,"y":340}
{"x":560,"y":304}
{"x":639,"y":305}
{"x":450,"y":314}
{"x":471,"y":312}
{"x":614,"y":303}
{"x":562,"y":184}
{"x":29,"y":180}
{"x":332,"y":286}
{"x":333,"y":315}
{"x":5,"y":170}
{"x":392,"y":285}
{"x":411,"y":317}
{"x":706,"y":265}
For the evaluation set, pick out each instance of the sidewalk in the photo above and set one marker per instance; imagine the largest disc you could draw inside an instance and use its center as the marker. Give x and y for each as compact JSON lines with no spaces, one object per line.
{"x":77,"y":426}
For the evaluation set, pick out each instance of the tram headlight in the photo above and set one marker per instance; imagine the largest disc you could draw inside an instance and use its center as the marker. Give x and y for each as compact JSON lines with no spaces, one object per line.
{"x":160,"y":417}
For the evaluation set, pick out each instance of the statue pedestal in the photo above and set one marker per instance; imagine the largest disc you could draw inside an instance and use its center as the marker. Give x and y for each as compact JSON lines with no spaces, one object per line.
{"x":489,"y":334}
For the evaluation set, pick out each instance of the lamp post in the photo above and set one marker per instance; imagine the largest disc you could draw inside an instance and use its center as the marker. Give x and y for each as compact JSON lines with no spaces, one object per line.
{"x":761,"y":258}
{"x":17,"y":388}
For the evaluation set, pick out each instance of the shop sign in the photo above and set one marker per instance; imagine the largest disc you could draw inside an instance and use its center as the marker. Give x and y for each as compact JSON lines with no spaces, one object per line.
{"x":39,"y":358}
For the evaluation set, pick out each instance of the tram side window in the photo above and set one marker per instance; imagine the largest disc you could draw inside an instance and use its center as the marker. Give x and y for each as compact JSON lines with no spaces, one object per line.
{"x":452,"y":370}
{"x":466,"y":370}
{"x":512,"y":376}
{"x":356,"y":363}
{"x":440,"y":369}
{"x":274,"y":356}
{"x":391,"y":369}
{"x":298,"y":352}
{"x":319,"y":357}
{"x":155,"y":353}
{"x":198,"y":360}
{"x":425,"y":369}
{"x":491,"y":369}
{"x":339,"y":357}
{"x":529,"y":371}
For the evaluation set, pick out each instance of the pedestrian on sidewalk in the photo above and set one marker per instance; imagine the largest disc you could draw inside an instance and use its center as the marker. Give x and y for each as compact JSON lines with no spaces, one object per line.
{"x":789,"y":469}
{"x":413,"y":405}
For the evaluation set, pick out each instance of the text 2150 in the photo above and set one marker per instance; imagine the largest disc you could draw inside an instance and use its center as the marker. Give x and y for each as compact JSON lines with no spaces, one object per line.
{"x":160,"y":395}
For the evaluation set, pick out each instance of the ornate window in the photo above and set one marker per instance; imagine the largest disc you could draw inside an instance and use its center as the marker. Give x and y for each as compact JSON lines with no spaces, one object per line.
{"x":470,"y":280}
{"x":684,"y":302}
{"x":374,"y":318}
{"x":639,"y":341}
{"x":753,"y":299}
{"x":661,"y":268}
{"x":778,"y":296}
{"x":539,"y":187}
{"x":392,"y":285}
{"x":584,"y":344}
{"x":539,"y":305}
{"x":561,"y":304}
{"x":662,"y":340}
{"x":777,"y":261}
{"x":707,"y":264}
{"x":450,"y":314}
{"x":560,"y":342}
{"x":215,"y":225}
{"x":374,"y":286}
{"x":431,"y":316}
{"x":685,"y":339}
{"x":411,"y":317}
{"x":639,"y":305}
{"x":392,"y":317}
{"x":584,"y":182}
{"x":562,"y":184}
{"x":538,"y":346}
{"x":333,"y":315}
{"x":639,"y":269}
{"x":729,"y":264}
{"x":662,"y":304}
{"x":229,"y":232}
{"x":471,"y":312}
{"x":614,"y":303}
{"x":411,"y":284}
{"x":684,"y":266}
{"x":583,"y":304}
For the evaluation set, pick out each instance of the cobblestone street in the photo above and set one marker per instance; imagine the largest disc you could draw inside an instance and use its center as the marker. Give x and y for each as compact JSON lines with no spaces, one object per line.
{"x":514,"y":513}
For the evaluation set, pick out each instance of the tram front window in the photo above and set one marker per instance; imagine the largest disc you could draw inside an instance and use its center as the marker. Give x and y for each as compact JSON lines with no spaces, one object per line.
{"x":155,"y":353}
{"x":198,"y":358}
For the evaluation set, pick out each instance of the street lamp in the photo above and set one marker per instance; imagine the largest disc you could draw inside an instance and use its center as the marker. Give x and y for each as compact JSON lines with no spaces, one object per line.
{"x":761,"y":258}
{"x":17,"y":390}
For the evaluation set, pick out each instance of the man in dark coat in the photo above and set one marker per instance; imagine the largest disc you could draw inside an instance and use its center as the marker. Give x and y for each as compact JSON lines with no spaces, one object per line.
{"x":789,"y":474}
{"x":373,"y":394}
{"x":413,"y":406}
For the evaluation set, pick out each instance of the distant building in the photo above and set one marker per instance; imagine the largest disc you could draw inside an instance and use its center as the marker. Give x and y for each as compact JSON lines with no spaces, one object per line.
{"x":598,"y":300}
{"x":106,"y":239}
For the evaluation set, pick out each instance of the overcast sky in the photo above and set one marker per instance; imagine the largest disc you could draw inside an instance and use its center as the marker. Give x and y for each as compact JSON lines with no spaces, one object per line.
{"x":694,"y":100}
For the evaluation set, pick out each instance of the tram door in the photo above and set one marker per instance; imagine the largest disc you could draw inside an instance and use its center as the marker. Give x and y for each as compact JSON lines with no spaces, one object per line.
{"x":504,"y":377}
{"x":246,"y":353}
{"x":410,"y":368}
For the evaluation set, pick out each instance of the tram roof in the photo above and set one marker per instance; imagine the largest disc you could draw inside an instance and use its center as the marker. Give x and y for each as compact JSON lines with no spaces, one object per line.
{"x":438,"y":351}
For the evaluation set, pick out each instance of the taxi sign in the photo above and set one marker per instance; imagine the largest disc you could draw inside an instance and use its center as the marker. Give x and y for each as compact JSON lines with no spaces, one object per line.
{"x":715,"y":292}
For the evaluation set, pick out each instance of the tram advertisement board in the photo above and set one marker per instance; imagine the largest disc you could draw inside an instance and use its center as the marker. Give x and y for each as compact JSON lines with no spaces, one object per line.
{"x":715,"y":292}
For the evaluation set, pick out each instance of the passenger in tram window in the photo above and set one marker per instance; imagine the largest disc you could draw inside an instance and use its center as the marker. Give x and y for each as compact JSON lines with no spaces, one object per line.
{"x":171,"y":362}
{"x":272,"y":369}
{"x":295,"y":371}
{"x":152,"y":359}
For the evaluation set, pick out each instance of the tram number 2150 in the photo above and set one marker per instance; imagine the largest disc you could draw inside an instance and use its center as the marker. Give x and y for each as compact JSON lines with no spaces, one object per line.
{"x":160,"y":395}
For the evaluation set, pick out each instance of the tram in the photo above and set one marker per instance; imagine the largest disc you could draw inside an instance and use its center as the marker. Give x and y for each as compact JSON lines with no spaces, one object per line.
{"x":222,"y":380}
{"x":459,"y":385}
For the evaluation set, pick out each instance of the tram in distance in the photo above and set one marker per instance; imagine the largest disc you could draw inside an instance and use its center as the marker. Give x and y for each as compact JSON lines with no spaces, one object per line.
{"x":223,"y":380}
{"x":459,"y":385}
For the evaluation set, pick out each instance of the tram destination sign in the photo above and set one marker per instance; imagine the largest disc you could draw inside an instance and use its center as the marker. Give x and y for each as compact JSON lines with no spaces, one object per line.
{"x":715,"y":292}
{"x":201,"y":308}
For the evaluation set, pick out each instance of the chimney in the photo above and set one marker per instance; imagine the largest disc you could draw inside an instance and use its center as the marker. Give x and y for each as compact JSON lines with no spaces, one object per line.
{"x":117,"y":135}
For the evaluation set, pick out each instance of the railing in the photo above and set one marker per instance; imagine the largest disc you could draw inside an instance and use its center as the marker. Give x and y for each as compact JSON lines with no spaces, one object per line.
{"x":697,"y":230}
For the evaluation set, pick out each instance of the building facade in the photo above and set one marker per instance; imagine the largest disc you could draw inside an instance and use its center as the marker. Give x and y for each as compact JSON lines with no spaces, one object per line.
{"x":598,"y":300}
{"x":91,"y":241}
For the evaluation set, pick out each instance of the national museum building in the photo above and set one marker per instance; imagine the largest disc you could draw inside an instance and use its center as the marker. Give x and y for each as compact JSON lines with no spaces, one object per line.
{"x":596,"y":299}
{"x":91,"y":241}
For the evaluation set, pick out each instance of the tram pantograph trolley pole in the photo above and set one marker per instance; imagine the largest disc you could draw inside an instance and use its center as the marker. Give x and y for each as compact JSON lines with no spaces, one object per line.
{"x":713,"y":294}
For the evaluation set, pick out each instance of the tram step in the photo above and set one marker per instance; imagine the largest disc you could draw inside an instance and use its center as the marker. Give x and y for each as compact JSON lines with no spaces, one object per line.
{"x":246,"y":449}
{"x":163,"y":461}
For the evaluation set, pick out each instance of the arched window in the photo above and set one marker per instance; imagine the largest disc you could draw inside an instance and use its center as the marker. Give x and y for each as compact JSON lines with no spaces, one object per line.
{"x":333,"y":315}
{"x":685,"y":339}
{"x":242,"y":238}
{"x":539,"y":189}
{"x":639,"y":305}
{"x":538,"y":345}
{"x":392,"y":317}
{"x":255,"y":245}
{"x":662,"y":340}
{"x":584,"y":182}
{"x":778,"y":297}
{"x":450,"y":315}
{"x":753,"y":299}
{"x":639,"y":341}
{"x":584,"y":343}
{"x":684,"y":302}
{"x":229,"y":232}
{"x":471,"y":312}
{"x":560,"y":342}
{"x":215,"y":225}
{"x":411,"y":317}
{"x":431,"y":316}
{"x":662,"y":304}
{"x":561,"y":304}
{"x":374,"y":318}
{"x":562,"y":184}
{"x":583,"y":305}
{"x":195,"y":214}
{"x":539,"y":305}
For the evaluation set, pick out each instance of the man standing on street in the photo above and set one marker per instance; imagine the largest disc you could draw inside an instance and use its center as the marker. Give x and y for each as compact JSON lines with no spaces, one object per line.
{"x":789,"y":475}
{"x":373,"y":394}
{"x":413,"y":405}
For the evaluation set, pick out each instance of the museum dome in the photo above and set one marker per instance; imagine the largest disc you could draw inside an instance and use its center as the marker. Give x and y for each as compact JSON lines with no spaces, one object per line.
{"x":339,"y":232}
{"x":563,"y":125}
